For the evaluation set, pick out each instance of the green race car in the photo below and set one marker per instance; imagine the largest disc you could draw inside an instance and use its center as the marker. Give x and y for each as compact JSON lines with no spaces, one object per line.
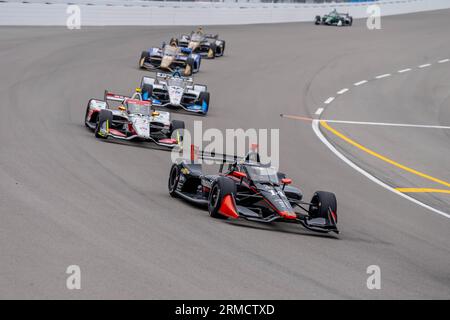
{"x":335,"y":18}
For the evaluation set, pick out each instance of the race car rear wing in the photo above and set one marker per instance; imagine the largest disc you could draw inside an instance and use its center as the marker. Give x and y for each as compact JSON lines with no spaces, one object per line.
{"x":211,"y":36}
{"x":110,"y":96}
{"x":197,"y":154}
{"x":163,"y":76}
{"x":205,"y":155}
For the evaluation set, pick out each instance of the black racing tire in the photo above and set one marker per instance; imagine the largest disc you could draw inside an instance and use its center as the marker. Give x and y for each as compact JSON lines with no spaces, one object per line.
{"x":177,"y":125}
{"x":222,"y":53}
{"x":204,"y":96}
{"x":147,"y":88}
{"x":213,"y":50}
{"x":351,"y":21}
{"x":318,"y":19}
{"x":86,"y":115}
{"x":105,"y":115}
{"x":221,"y":187}
{"x":321,"y":201}
{"x":189,"y":69}
{"x":144,"y":56}
{"x":174,"y":178}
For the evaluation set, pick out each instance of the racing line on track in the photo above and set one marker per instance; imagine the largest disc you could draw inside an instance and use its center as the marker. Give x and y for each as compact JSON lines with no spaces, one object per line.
{"x":316,"y":123}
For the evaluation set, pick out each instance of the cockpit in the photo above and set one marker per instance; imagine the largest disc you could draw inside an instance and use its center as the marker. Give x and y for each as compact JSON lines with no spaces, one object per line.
{"x":138,"y":107}
{"x":170,"y":50}
{"x":261,"y":174}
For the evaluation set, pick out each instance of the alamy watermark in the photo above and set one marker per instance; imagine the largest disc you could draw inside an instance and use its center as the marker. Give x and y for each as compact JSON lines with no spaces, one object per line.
{"x":229,"y":143}
{"x":374,"y":17}
{"x":74,"y":19}
{"x":374,"y":279}
{"x":73,"y":281}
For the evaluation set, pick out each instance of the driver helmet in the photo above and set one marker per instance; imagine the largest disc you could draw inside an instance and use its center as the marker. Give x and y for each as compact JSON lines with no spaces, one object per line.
{"x":173,"y":42}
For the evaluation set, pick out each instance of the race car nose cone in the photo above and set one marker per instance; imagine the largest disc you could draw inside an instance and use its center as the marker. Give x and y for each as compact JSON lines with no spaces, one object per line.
{"x":193,"y":45}
{"x":175,"y":95}
{"x":166,"y":62}
{"x":141,"y":126}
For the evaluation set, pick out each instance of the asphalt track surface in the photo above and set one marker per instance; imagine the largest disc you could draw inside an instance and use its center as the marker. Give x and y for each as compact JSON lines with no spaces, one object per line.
{"x":67,"y":198}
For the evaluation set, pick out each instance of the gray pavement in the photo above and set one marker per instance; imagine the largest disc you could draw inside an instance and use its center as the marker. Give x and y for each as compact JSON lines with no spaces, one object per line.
{"x":67,"y":198}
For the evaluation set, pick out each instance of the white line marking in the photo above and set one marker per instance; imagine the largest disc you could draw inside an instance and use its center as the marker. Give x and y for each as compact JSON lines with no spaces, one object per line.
{"x":319,"y":111}
{"x":315,"y":126}
{"x":444,"y":61}
{"x":329,"y":100}
{"x":424,"y":65}
{"x":342,"y":91}
{"x":383,"y":76}
{"x":360,"y":83}
{"x":389,"y":124}
{"x":404,"y":70}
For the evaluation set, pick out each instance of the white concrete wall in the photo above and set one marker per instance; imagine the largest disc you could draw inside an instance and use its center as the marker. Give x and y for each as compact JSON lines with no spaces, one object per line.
{"x":135,"y":12}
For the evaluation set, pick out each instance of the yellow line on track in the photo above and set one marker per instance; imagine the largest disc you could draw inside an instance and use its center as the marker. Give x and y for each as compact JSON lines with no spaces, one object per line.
{"x":422,"y":190}
{"x":383,"y":158}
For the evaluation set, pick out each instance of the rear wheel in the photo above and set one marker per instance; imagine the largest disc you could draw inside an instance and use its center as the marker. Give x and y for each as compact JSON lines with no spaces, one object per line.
{"x":174,"y":178}
{"x":322,"y":202}
{"x":105,"y":119}
{"x":144,"y":56}
{"x":222,"y":187}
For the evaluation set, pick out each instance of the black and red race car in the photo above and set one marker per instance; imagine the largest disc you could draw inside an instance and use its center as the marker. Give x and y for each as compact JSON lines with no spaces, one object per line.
{"x":253,"y":191}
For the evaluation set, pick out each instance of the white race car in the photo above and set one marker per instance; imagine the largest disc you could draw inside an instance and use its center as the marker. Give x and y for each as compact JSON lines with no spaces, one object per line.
{"x":173,"y":90}
{"x":133,"y":119}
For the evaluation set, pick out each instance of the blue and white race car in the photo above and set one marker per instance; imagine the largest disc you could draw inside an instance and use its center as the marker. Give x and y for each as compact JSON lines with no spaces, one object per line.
{"x":169,"y":58}
{"x":174,"y":90}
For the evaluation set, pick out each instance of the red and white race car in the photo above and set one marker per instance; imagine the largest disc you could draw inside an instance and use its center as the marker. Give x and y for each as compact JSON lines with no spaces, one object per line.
{"x":132,"y":119}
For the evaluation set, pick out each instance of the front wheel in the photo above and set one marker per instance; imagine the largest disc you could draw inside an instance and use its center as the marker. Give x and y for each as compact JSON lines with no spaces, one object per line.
{"x":86,"y":114}
{"x":222,"y":50}
{"x":221,"y":188}
{"x":104,"y":122}
{"x":203,"y":100}
{"x":324,"y":205}
{"x":144,"y":56}
{"x":317,"y":21}
{"x":174,"y":178}
{"x":176,"y":130}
